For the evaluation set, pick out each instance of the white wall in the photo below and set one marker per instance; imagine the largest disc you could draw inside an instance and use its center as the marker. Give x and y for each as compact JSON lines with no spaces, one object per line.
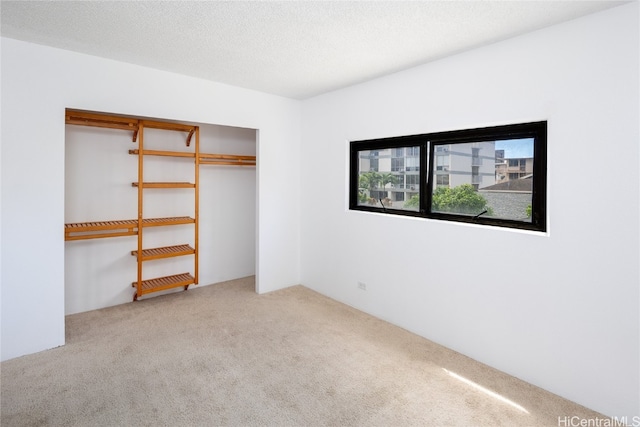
{"x":38,"y":83}
{"x":98,"y":176}
{"x":559,"y":310}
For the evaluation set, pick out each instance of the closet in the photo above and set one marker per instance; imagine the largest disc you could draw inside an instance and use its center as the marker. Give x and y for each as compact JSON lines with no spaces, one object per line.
{"x":184,"y":148}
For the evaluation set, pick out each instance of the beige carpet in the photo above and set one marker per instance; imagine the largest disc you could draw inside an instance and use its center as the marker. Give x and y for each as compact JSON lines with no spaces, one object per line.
{"x":222,"y":355}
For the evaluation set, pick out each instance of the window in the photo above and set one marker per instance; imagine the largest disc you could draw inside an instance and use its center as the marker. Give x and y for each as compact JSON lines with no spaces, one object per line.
{"x":412,"y":182}
{"x":442,"y":162}
{"x":442,"y":180}
{"x":492,"y":176}
{"x":385,"y":188}
{"x":397,"y":164}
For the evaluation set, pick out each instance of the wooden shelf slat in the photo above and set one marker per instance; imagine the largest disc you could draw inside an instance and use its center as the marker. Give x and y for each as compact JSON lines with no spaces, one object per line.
{"x":164,"y":184}
{"x":69,"y":237}
{"x":100,"y":229}
{"x":164,"y":153}
{"x":100,"y":225}
{"x":164,"y":283}
{"x":100,"y":120}
{"x":205,"y":158}
{"x":117,"y":228}
{"x":165,"y":252}
{"x":179,"y":127}
{"x":227,"y":159}
{"x":226,"y":163}
{"x":100,"y":124}
{"x":161,"y":222}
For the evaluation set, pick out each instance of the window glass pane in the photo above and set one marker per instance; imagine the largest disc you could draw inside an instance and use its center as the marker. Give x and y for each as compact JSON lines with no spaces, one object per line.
{"x":494,"y":176}
{"x":391,"y":176}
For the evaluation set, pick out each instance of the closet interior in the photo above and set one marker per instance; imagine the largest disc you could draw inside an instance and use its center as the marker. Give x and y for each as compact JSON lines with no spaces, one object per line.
{"x":158,"y":181}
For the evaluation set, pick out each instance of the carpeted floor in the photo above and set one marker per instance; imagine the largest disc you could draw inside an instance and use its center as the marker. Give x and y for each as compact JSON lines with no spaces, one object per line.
{"x":221,"y":355}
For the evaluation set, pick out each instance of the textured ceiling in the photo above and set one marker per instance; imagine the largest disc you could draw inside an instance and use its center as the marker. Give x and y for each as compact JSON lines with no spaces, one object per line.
{"x":296,"y":49}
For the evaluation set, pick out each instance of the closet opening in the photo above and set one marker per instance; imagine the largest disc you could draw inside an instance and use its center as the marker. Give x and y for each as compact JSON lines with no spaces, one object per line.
{"x":155,"y":206}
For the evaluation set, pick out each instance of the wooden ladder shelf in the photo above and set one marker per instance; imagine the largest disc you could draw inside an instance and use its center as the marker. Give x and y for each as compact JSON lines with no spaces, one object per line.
{"x":146,"y":286}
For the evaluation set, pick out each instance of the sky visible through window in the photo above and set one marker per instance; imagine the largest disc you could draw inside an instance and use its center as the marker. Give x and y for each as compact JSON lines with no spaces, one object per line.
{"x":516,"y":148}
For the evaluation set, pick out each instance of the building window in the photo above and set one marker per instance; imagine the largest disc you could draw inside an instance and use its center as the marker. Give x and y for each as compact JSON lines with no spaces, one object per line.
{"x":412,"y":182}
{"x":397,"y":164}
{"x":442,"y":162}
{"x":493,"y":176}
{"x":442,"y":180}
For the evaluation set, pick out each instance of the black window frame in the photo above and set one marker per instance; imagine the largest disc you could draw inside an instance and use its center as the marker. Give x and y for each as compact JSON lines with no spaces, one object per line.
{"x":428,"y":143}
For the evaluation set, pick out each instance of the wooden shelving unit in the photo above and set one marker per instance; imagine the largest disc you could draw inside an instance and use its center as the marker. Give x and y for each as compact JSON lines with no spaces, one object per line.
{"x":146,"y":286}
{"x":136,"y":227}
